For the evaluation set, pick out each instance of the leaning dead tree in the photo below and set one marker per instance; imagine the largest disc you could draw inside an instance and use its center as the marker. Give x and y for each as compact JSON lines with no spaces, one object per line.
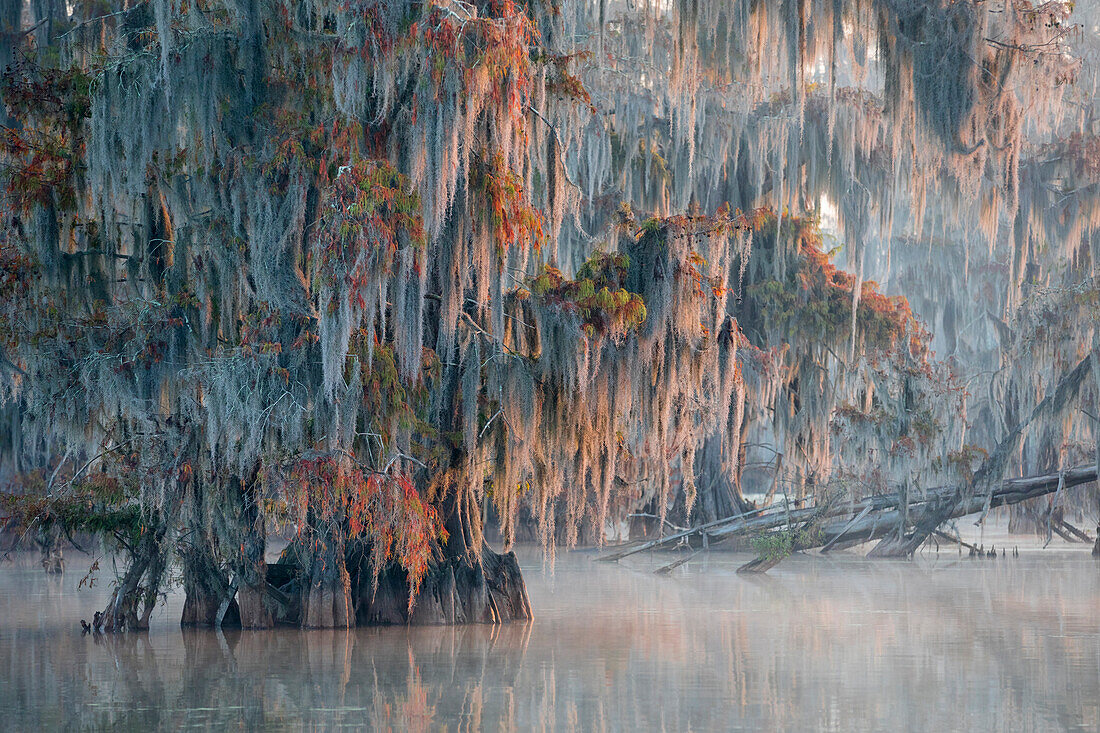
{"x":876,"y":517}
{"x":946,"y":503}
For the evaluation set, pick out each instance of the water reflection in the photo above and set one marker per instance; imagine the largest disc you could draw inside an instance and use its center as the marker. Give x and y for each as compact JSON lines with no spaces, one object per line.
{"x":833,"y":644}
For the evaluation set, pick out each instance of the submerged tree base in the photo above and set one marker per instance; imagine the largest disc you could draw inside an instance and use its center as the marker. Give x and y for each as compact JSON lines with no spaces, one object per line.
{"x":464,"y":590}
{"x":487,"y":588}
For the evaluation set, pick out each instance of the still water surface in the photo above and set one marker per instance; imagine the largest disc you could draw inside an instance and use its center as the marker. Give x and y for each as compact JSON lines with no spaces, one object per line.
{"x":820,"y":643}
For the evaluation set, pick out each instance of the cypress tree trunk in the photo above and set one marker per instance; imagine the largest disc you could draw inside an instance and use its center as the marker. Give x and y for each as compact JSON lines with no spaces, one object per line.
{"x":11,"y":14}
{"x":48,"y":540}
{"x":718,"y":494}
{"x":206,"y":588}
{"x":470,"y":583}
{"x":251,"y":566}
{"x":326,"y":588}
{"x":47,"y":13}
{"x":485,"y":587}
{"x":205,"y":581}
{"x":133,"y":600}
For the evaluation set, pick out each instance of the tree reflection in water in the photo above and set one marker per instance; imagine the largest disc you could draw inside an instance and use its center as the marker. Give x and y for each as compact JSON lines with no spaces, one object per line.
{"x":833,"y":644}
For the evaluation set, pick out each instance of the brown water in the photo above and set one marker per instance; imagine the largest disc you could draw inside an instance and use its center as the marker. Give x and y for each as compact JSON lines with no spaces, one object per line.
{"x":820,"y":643}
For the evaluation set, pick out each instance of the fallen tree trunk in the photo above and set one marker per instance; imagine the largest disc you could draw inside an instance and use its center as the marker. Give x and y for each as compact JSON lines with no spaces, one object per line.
{"x":877,"y":516}
{"x":1078,"y":535}
{"x":904,"y":544}
{"x":956,"y":541}
{"x":619,"y":553}
{"x":953,"y":502}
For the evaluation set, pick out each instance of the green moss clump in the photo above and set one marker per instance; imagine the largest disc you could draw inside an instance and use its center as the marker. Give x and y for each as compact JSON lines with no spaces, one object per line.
{"x":781,"y":543}
{"x":597,"y":294}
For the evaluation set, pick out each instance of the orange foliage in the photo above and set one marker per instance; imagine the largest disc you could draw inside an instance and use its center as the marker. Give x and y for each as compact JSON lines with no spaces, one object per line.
{"x":816,"y":299}
{"x":370,"y":210}
{"x":17,"y":273}
{"x":563,"y":82}
{"x":514,"y":220}
{"x":43,"y":151}
{"x":382,"y":508}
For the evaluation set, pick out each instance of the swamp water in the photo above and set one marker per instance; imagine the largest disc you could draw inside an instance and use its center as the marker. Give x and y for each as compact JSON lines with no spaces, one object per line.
{"x":819,"y":643}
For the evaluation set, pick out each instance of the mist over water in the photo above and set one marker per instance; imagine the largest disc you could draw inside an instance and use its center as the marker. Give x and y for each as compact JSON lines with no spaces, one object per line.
{"x":379,"y":279}
{"x":820,"y":643}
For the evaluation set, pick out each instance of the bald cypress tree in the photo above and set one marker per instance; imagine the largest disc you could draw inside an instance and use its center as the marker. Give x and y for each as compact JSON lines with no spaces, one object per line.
{"x":357,"y":270}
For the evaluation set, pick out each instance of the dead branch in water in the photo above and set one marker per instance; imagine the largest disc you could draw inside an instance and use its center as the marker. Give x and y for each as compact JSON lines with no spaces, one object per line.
{"x":876,"y":516}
